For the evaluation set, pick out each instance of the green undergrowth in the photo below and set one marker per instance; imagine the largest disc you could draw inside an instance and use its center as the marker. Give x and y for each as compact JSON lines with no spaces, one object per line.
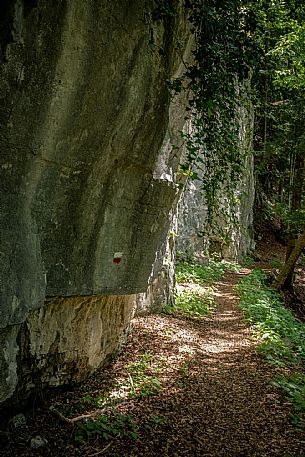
{"x":203,"y":274}
{"x":193,"y":298}
{"x":194,"y":295}
{"x":141,"y":384}
{"x":191,"y":303}
{"x":125,"y":426}
{"x":107,"y":428}
{"x":280,"y":334}
{"x":140,"y":381}
{"x":248,"y":261}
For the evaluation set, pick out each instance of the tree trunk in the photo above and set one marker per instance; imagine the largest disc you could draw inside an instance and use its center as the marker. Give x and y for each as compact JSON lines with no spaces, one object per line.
{"x":296,"y":201}
{"x":290,"y":263}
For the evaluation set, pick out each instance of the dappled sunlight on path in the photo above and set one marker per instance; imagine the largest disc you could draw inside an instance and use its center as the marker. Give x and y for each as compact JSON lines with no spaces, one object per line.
{"x":214,"y":397}
{"x":225,"y":405}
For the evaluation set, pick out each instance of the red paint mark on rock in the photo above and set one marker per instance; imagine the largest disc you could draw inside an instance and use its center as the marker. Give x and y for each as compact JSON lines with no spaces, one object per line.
{"x":117,"y":257}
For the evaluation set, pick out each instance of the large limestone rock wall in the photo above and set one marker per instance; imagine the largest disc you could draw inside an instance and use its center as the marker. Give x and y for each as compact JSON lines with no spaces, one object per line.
{"x":84,"y":192}
{"x":62,"y":342}
{"x":230,"y":240}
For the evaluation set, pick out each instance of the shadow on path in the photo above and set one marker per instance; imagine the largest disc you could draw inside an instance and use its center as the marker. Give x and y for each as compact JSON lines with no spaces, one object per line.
{"x":216,"y":399}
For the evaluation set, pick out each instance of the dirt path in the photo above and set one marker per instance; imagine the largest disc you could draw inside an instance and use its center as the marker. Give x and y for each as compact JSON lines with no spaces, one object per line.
{"x":215,"y":400}
{"x":227,"y":406}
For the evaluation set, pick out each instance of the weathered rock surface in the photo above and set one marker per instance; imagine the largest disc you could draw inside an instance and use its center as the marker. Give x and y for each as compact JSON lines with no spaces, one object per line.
{"x":85,"y":193}
{"x":231,"y":240}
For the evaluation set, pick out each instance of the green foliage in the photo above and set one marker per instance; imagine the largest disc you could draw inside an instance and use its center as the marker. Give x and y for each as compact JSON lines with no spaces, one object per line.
{"x":289,"y":55}
{"x":281,"y":335}
{"x":280,"y":114}
{"x":197,"y":301}
{"x":221,"y":65}
{"x":248,"y":260}
{"x":246,"y":53}
{"x":86,"y":400}
{"x":294,"y":387}
{"x":138,"y":368}
{"x":141,"y":384}
{"x":237,"y":42}
{"x":97,"y":401}
{"x":276,"y":263}
{"x":149,"y":387}
{"x":203,"y":274}
{"x":174,"y":86}
{"x":192,"y":303}
{"x":107,"y":428}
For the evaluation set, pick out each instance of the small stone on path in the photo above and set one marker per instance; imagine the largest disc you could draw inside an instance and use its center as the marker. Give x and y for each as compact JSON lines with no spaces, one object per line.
{"x":38,"y":441}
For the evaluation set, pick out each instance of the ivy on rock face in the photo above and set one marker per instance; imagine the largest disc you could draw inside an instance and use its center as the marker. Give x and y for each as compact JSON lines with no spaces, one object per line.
{"x":218,"y":81}
{"x":247,"y":53}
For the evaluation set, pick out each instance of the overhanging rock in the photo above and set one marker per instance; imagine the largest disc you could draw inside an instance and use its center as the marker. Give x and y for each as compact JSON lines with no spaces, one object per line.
{"x":84,"y":112}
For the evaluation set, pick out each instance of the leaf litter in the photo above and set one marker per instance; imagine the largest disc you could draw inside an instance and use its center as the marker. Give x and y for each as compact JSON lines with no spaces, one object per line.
{"x":182,"y":386}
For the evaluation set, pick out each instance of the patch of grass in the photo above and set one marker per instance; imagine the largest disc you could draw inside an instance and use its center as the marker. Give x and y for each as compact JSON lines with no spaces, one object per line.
{"x":141,"y":384}
{"x":276,"y":263}
{"x":280,"y":333}
{"x":197,"y":301}
{"x":294,"y":387}
{"x":107,"y":428}
{"x":203,"y":274}
{"x":248,"y":260}
{"x":192,"y":302}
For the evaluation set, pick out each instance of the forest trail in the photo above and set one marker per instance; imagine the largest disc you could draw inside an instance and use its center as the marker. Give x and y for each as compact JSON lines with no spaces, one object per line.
{"x":215,"y":398}
{"x":227,"y":406}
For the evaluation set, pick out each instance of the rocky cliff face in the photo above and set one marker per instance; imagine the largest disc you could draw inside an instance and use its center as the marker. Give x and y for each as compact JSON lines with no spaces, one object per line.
{"x":86,"y":178}
{"x":230,"y":240}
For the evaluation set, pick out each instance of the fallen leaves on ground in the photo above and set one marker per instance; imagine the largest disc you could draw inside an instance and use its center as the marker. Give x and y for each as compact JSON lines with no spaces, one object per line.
{"x":212,"y":395}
